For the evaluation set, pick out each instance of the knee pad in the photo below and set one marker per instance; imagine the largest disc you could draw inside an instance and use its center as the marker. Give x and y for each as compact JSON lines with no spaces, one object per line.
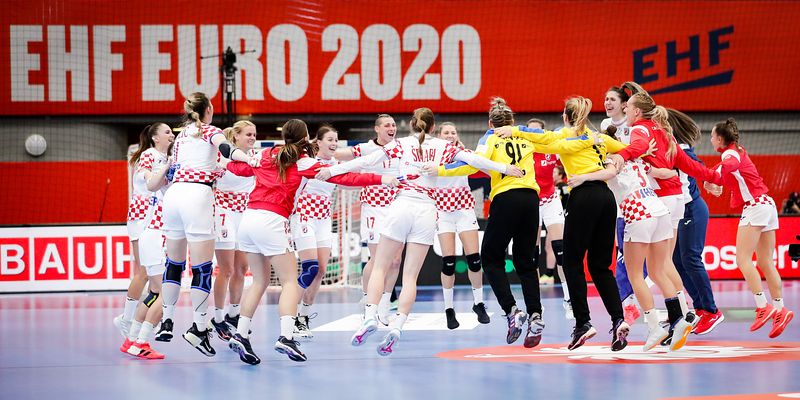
{"x":310,"y":268}
{"x":201,"y":276}
{"x":173,"y":272}
{"x":150,"y":299}
{"x":474,"y":262}
{"x":449,"y":265}
{"x":558,"y":250}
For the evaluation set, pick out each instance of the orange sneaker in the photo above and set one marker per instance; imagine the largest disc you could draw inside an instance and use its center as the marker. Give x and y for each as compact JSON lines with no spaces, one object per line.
{"x":782,"y":319}
{"x":147,"y":352}
{"x":763,"y":315}
{"x":127,"y":345}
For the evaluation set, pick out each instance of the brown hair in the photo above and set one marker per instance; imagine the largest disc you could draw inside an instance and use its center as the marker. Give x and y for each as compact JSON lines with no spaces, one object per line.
{"x":620,"y":91}
{"x":631,"y":88}
{"x":535,"y":121}
{"x":146,"y":140}
{"x":685,"y":130}
{"x":499,"y":113}
{"x":561,"y":171}
{"x":295,"y":137}
{"x":655,"y":113}
{"x":728,"y":131}
{"x":380,"y":117}
{"x":439,"y":132}
{"x":422,"y":123}
{"x":577,"y":110}
{"x":321,"y":131}
{"x":194,"y":109}
{"x":230,"y":133}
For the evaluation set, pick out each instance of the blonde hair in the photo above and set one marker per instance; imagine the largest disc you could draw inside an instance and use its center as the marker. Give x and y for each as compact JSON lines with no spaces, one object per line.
{"x":655,"y":113}
{"x":499,"y":113}
{"x":194,"y":109}
{"x":422,"y":123}
{"x":577,"y":110}
{"x":230,"y":133}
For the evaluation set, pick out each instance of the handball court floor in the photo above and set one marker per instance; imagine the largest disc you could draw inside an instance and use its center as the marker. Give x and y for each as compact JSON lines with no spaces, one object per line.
{"x":65,"y":346}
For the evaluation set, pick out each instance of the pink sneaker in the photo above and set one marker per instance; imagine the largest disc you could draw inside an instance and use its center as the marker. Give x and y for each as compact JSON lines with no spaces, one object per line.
{"x":127,"y":345}
{"x":631,"y":313}
{"x":782,"y":318}
{"x":763,"y":315}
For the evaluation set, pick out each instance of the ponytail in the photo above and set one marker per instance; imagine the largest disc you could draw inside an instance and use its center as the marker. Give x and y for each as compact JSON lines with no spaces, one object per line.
{"x":577,"y":110}
{"x":422,"y":123}
{"x":499,"y":113}
{"x":145,"y":141}
{"x":728,"y":131}
{"x":295,"y":135}
{"x":194,"y":109}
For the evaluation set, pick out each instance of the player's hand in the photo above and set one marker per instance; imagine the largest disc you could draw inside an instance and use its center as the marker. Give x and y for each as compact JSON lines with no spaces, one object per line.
{"x":716,"y":190}
{"x":390,"y":181}
{"x":253,"y":162}
{"x":576,"y":180}
{"x":504,"y":132}
{"x":652,"y":149}
{"x":429,"y":169}
{"x":617,"y":160}
{"x":663,"y":173}
{"x":323,"y":174}
{"x":513,"y":170}
{"x":598,"y":139}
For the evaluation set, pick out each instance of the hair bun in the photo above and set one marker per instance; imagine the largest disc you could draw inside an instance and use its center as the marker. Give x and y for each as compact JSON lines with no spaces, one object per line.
{"x":498,"y":102}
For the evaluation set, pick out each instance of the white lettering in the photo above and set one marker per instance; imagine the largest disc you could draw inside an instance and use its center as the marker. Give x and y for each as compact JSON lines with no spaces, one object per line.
{"x":342,"y":39}
{"x":51,"y":259}
{"x":727,"y":255}
{"x":76,"y":61}
{"x":104,"y":60}
{"x":714,"y":252}
{"x":461,"y":55}
{"x":153,"y":62}
{"x":288,"y":85}
{"x":188,"y":81}
{"x":22,"y":63}
{"x":247,"y":62}
{"x":121,"y":257}
{"x":380,"y":52}
{"x":98,"y":259}
{"x":11,"y":254}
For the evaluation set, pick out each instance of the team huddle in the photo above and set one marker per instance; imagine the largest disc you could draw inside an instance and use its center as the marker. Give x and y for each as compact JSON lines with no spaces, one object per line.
{"x":207,"y":193}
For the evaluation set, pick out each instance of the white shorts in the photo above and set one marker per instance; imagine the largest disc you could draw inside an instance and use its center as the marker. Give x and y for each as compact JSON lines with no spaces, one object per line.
{"x":650,"y":230}
{"x":764,"y":214}
{"x":456,"y":221}
{"x":226,"y":224}
{"x":311,"y":233}
{"x":264,"y":232}
{"x":371,"y":219}
{"x":676,"y":208}
{"x":189,"y":212}
{"x":551,"y":213}
{"x":410,"y":220}
{"x":135,"y":229}
{"x":152,"y":254}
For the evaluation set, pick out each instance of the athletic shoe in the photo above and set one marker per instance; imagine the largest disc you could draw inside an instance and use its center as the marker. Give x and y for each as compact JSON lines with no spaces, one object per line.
{"x":123,"y":325}
{"x":386,"y":346}
{"x":126,"y":345}
{"x":654,"y":337}
{"x":452,"y":322}
{"x":680,"y":332}
{"x":223,"y":331}
{"x":516,"y":320}
{"x":708,"y":321}
{"x":763,"y":315}
{"x":301,"y":328}
{"x":382,"y":316}
{"x":393,"y":305}
{"x":782,"y":318}
{"x":568,"y":310}
{"x":480,"y":310}
{"x":164,"y":333}
{"x":232,"y":322}
{"x":291,"y":348}
{"x":535,"y":328}
{"x":242,"y":346}
{"x":546,"y":280}
{"x":619,"y":335}
{"x":366,"y":329}
{"x":631,"y":313}
{"x":200,"y":340}
{"x":144,"y":350}
{"x":580,"y":335}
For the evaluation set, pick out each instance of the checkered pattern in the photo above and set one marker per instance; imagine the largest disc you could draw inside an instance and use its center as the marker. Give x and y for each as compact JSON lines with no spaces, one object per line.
{"x":548,"y":199}
{"x":427,"y":191}
{"x":378,"y":195}
{"x":193,"y":175}
{"x":145,"y":162}
{"x":231,"y":201}
{"x":453,"y":199}
{"x":763,"y":199}
{"x":209,"y":131}
{"x":450,"y":151}
{"x":396,"y":151}
{"x":634,"y":210}
{"x":357,"y":150}
{"x":137,"y":209}
{"x":313,"y":206}
{"x":157,"y":222}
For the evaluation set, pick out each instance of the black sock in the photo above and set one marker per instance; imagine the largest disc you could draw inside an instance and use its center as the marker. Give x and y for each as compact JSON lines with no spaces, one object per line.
{"x":673,"y":309}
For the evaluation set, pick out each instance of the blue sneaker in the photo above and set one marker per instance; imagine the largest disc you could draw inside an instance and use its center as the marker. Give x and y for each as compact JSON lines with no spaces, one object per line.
{"x":516,"y":322}
{"x":242,"y":346}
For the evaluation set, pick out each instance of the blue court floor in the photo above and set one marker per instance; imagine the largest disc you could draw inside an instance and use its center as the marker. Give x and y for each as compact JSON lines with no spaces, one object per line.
{"x":64,"y":346}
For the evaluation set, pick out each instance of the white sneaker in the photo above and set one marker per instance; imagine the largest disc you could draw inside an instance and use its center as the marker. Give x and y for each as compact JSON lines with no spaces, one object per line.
{"x":367,"y":328}
{"x":123,"y":325}
{"x":680,"y":333}
{"x":385,"y":348}
{"x":568,"y":310}
{"x":655,"y":337}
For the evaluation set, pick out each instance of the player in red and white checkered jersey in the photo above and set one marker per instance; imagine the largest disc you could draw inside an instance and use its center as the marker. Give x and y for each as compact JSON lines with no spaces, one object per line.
{"x":264,"y":231}
{"x":189,"y":216}
{"x":230,"y":200}
{"x":455,"y":214}
{"x":375,"y":201}
{"x":150,"y":167}
{"x":411,"y":219}
{"x":756,"y":232}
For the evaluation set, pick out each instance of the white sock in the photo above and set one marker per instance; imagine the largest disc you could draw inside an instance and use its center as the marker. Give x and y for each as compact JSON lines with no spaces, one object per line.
{"x":304,"y":309}
{"x":219,"y":315}
{"x":563,"y":278}
{"x":130,"y":308}
{"x":399,"y":321}
{"x":287,"y":326}
{"x":778,"y":304}
{"x":200,"y":305}
{"x":199,"y":319}
{"x":370,"y":310}
{"x":133,"y":333}
{"x":386,"y":301}
{"x":448,"y":298}
{"x":651,"y":317}
{"x":477,"y":295}
{"x":761,"y":300}
{"x":170,"y":292}
{"x":649,"y":282}
{"x":145,"y":332}
{"x":243,"y":327}
{"x":628,"y":301}
{"x":169,"y":312}
{"x":682,"y":302}
{"x":233,"y":310}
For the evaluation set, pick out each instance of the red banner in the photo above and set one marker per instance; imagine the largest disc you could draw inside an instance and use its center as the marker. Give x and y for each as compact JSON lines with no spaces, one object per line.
{"x":119,"y":57}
